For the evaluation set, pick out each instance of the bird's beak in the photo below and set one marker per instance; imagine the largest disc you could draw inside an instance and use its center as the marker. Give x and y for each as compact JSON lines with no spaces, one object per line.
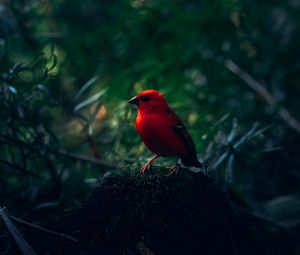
{"x":133,"y":100}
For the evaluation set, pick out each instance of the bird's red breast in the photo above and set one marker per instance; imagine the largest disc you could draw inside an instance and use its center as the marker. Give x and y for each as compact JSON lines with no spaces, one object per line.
{"x":156,"y":130}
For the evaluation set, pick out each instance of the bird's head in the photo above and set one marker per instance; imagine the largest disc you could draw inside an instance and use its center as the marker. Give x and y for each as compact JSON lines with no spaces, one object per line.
{"x":149,"y":101}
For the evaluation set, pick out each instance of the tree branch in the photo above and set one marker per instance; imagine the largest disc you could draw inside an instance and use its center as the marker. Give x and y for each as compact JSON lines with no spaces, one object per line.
{"x":290,"y":120}
{"x":97,"y":162}
{"x":16,"y":167}
{"x":94,"y":161}
{"x":48,"y":231}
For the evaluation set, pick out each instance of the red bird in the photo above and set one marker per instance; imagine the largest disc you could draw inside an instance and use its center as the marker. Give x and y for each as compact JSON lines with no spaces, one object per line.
{"x":162,"y":131}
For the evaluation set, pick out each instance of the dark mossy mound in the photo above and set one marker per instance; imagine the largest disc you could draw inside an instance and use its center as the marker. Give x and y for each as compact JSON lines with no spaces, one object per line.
{"x":185,"y":213}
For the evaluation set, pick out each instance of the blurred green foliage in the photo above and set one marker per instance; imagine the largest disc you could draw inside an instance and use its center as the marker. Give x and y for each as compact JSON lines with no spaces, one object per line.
{"x":67,"y":69}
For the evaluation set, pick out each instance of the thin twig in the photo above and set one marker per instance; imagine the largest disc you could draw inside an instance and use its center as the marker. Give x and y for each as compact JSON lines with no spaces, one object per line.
{"x":20,"y":169}
{"x":290,"y":120}
{"x":97,"y":162}
{"x":234,"y":248}
{"x":48,"y":231}
{"x":55,"y":177}
{"x":92,"y":143}
{"x":94,"y":161}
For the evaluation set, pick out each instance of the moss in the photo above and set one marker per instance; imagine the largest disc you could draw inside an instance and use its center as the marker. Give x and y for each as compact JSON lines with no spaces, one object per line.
{"x":130,"y":213}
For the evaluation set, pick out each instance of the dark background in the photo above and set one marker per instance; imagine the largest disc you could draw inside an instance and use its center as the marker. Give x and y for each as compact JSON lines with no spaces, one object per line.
{"x":230,"y":69}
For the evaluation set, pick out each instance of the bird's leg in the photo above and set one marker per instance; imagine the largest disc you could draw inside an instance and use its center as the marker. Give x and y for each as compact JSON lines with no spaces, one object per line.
{"x":148,"y":164}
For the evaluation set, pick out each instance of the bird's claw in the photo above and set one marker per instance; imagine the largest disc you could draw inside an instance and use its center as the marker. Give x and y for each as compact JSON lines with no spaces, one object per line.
{"x":145,"y":168}
{"x":174,"y":170}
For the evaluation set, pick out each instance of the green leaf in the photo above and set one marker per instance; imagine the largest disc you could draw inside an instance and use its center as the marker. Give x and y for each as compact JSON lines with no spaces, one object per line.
{"x":233,"y":131}
{"x":89,"y":83}
{"x":25,"y":248}
{"x":220,"y":160}
{"x":12,"y":89}
{"x":246,"y":136}
{"x":285,"y":210}
{"x":90,"y":100}
{"x":229,"y":169}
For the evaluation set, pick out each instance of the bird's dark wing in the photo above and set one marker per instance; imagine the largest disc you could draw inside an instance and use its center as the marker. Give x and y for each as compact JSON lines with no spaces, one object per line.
{"x":190,"y":158}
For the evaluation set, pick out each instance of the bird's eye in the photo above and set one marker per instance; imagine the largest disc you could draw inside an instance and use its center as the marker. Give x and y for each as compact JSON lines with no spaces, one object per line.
{"x":144,"y":99}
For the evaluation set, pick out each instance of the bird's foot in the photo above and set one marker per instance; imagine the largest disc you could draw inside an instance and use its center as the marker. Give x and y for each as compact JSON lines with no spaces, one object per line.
{"x":174,"y":170}
{"x":145,"y":168}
